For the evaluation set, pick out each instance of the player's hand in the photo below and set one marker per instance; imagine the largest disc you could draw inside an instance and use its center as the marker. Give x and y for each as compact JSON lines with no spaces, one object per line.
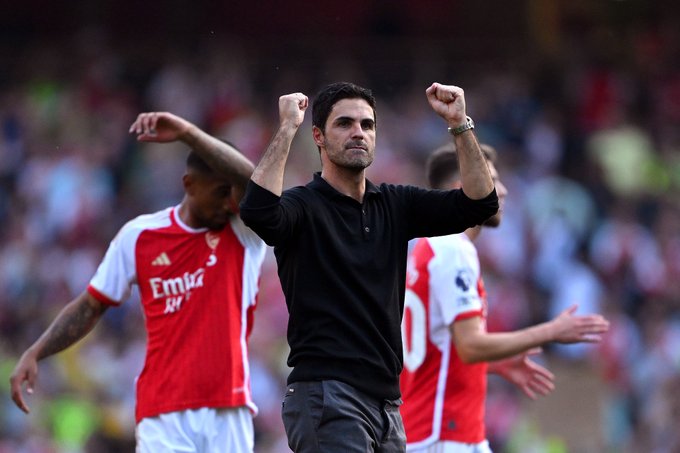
{"x":161,"y":127}
{"x":292,"y":109}
{"x":26,"y":370}
{"x":449,"y":103}
{"x":533,"y":379}
{"x":579,"y":329}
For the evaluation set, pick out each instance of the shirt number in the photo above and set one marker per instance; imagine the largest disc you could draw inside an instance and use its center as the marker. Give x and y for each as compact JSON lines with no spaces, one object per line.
{"x":414,"y":331}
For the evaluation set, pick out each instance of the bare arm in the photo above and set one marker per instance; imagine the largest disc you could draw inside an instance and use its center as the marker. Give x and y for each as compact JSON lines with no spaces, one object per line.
{"x":163,"y":127}
{"x":72,"y":323}
{"x":269,"y":172}
{"x":449,"y":103}
{"x":474,"y":344}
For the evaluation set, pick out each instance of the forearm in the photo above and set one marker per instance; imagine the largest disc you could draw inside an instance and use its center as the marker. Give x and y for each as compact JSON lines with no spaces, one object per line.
{"x":502,"y":366}
{"x":488,"y":347}
{"x":269,"y":172}
{"x":220,"y":156}
{"x":496,"y":366}
{"x":475,"y":177}
{"x":72,"y":323}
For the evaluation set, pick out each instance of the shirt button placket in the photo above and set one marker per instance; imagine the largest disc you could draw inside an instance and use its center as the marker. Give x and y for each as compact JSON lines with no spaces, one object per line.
{"x":363,"y":215}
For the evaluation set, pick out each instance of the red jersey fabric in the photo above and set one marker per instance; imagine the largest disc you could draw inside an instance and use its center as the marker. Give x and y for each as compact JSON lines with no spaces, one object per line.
{"x":198,"y":291}
{"x":443,"y":397}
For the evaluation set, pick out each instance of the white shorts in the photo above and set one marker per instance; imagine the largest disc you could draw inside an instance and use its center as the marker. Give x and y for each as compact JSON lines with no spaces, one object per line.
{"x":204,"y":430}
{"x":452,"y":447}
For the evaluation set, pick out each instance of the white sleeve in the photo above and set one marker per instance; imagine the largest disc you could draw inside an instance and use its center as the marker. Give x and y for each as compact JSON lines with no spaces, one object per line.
{"x":117,"y":272}
{"x":255,"y":251}
{"x":454,"y":277}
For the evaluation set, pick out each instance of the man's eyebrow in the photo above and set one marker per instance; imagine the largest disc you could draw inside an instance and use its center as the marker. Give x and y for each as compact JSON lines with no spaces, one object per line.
{"x":350,"y":118}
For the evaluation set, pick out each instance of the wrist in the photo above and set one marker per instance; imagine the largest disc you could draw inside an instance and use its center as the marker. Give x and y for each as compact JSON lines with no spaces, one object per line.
{"x":188,"y":134}
{"x":500,"y":367}
{"x":550,"y":331}
{"x":458,"y":129}
{"x":289,"y":126}
{"x":32,"y":353}
{"x":185,"y":133}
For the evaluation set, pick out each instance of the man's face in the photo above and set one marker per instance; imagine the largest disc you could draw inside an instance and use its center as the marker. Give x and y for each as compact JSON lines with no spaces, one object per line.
{"x":501,"y":191}
{"x":210,"y":200}
{"x":349,"y":137}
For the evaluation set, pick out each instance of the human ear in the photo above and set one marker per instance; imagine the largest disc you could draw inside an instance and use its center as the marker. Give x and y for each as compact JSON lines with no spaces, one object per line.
{"x":188,"y":183}
{"x":318,"y":136}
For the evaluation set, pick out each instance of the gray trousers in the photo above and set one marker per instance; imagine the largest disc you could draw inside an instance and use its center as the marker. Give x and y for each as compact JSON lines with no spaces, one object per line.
{"x":334,"y":417}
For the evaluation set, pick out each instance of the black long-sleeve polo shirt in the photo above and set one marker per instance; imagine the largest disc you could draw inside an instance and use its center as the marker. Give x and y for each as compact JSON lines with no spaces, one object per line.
{"x":342,"y":266}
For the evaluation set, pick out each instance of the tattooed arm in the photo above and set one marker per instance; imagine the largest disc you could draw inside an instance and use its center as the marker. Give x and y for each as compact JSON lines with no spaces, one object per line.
{"x":72,"y":323}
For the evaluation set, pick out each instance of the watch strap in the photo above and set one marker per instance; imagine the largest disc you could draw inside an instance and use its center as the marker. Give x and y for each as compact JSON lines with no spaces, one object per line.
{"x":469,"y":124}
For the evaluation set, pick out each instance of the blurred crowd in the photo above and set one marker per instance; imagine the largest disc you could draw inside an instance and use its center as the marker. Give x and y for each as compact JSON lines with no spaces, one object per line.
{"x":589,"y":146}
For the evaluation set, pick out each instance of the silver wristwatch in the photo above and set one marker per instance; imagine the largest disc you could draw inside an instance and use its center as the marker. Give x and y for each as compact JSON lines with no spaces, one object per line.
{"x":469,"y":124}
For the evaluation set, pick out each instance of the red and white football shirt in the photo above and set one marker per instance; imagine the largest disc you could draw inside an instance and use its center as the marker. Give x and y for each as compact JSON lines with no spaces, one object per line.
{"x":198,"y":290}
{"x":443,"y":397}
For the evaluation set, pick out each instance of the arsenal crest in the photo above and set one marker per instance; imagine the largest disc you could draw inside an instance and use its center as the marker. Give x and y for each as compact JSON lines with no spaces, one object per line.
{"x":212,"y":239}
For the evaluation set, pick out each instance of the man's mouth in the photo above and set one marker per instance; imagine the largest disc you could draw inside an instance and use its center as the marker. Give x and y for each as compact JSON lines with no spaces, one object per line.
{"x":357,"y":145}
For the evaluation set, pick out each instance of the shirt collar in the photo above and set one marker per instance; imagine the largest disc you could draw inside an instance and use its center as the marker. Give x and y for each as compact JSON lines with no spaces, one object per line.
{"x":320,"y":184}
{"x":177,"y":220}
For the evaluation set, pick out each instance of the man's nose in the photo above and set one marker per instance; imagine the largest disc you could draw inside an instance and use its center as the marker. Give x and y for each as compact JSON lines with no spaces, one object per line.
{"x":357,"y":130}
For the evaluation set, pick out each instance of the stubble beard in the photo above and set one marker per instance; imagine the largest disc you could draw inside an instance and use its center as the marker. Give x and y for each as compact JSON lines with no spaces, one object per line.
{"x":345,"y":159}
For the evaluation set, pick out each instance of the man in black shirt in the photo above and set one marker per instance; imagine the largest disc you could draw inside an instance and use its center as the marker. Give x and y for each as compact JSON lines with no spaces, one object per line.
{"x":341,"y":244}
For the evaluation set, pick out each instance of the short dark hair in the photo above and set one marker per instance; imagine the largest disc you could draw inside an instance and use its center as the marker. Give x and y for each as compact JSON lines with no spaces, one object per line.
{"x":198,"y":164}
{"x":442,"y":165}
{"x":331,"y":94}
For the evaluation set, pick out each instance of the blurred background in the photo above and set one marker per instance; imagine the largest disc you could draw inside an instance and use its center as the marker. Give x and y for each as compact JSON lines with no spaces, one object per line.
{"x":580,"y":98}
